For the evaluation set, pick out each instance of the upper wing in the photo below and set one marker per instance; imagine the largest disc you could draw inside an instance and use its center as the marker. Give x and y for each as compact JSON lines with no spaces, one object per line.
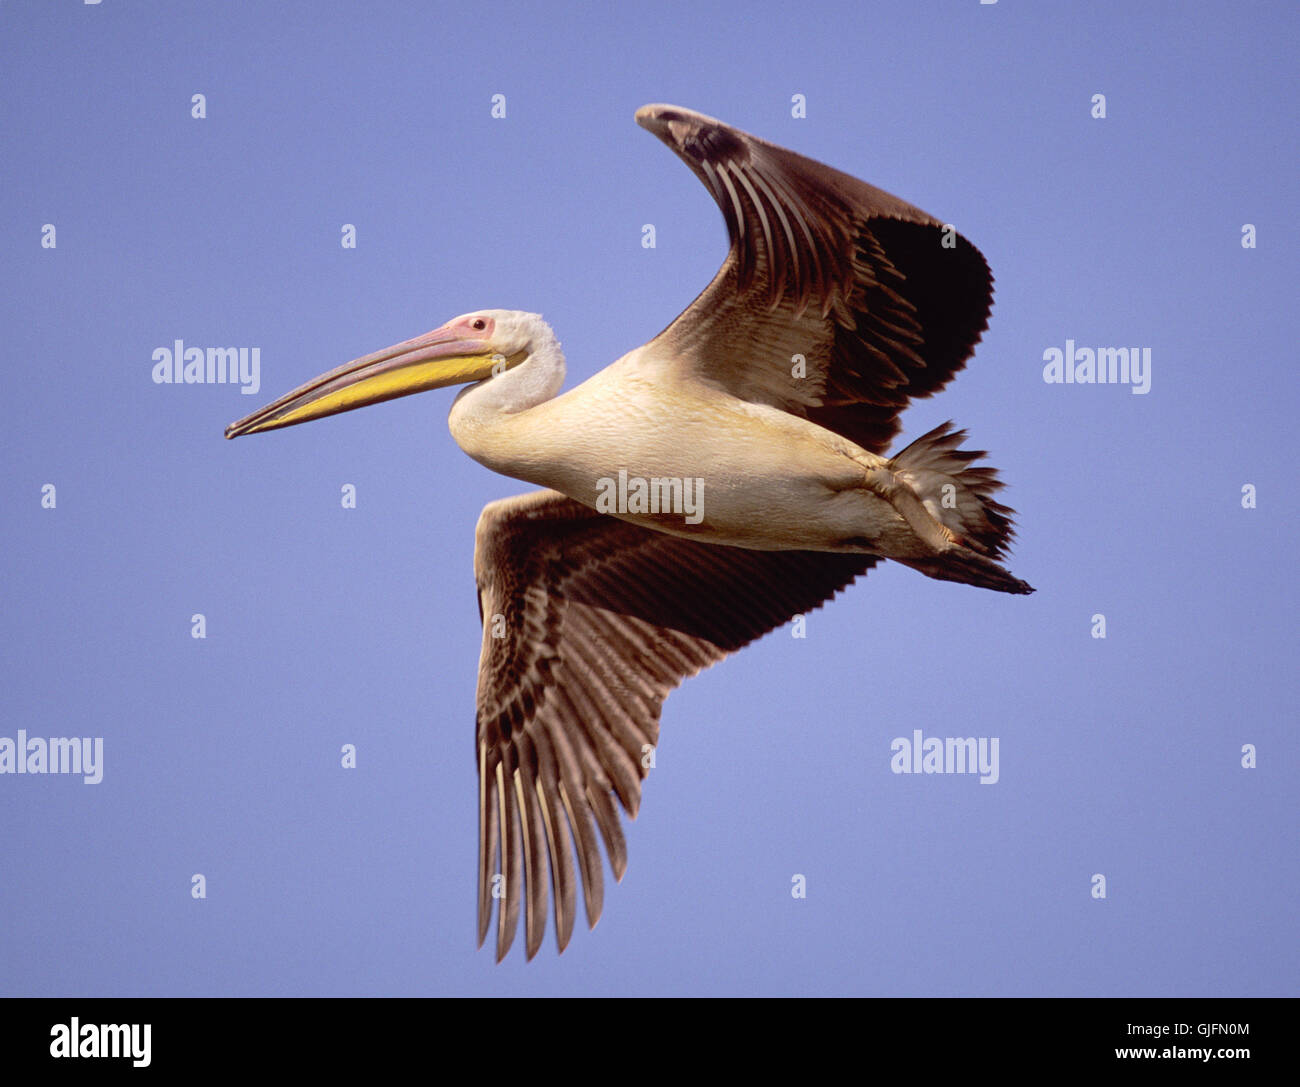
{"x":882,"y":304}
{"x":588,"y":623}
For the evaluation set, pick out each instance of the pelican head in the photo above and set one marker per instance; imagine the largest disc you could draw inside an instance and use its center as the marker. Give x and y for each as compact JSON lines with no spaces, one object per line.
{"x":472,"y":348}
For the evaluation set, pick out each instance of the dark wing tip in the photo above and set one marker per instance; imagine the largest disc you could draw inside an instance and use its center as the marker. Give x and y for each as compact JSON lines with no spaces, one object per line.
{"x":696,"y":137}
{"x":655,"y":116}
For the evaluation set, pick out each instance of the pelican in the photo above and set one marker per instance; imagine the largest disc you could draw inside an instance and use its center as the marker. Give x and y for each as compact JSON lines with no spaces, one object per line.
{"x":767,"y":407}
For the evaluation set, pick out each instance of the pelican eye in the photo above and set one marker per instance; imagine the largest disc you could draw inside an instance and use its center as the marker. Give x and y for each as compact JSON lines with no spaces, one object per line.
{"x":479,"y":324}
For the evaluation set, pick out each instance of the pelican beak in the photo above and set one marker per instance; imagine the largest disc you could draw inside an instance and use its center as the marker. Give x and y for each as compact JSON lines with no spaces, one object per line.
{"x":438,"y":358}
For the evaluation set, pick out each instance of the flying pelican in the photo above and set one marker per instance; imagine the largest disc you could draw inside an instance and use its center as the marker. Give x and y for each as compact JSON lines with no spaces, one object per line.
{"x":771,"y":400}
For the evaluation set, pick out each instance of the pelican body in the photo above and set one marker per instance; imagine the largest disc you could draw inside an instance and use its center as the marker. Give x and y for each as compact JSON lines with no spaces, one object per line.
{"x":751,"y":437}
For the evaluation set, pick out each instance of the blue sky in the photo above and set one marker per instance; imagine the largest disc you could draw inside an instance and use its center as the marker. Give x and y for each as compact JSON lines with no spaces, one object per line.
{"x":325,"y":626}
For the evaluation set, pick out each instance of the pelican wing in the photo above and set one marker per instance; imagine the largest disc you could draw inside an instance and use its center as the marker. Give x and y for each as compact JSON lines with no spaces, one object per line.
{"x":588,"y":623}
{"x":837,"y":301}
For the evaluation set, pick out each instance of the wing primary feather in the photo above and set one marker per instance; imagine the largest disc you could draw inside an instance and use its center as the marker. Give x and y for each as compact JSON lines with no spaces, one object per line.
{"x":487,"y":841}
{"x":627,"y":643}
{"x":814,"y":282}
{"x":735,"y":229}
{"x":607,"y":819}
{"x":530,"y":820}
{"x":584,"y":835}
{"x":792,"y":247}
{"x":775,"y":272}
{"x":557,"y":839}
{"x":584,"y":838}
{"x":613,"y":758}
{"x":621,"y":720}
{"x":507,"y":906}
{"x":744,"y":250}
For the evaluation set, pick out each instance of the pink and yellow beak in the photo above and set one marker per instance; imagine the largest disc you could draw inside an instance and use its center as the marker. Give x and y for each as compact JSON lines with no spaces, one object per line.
{"x":438,"y":358}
